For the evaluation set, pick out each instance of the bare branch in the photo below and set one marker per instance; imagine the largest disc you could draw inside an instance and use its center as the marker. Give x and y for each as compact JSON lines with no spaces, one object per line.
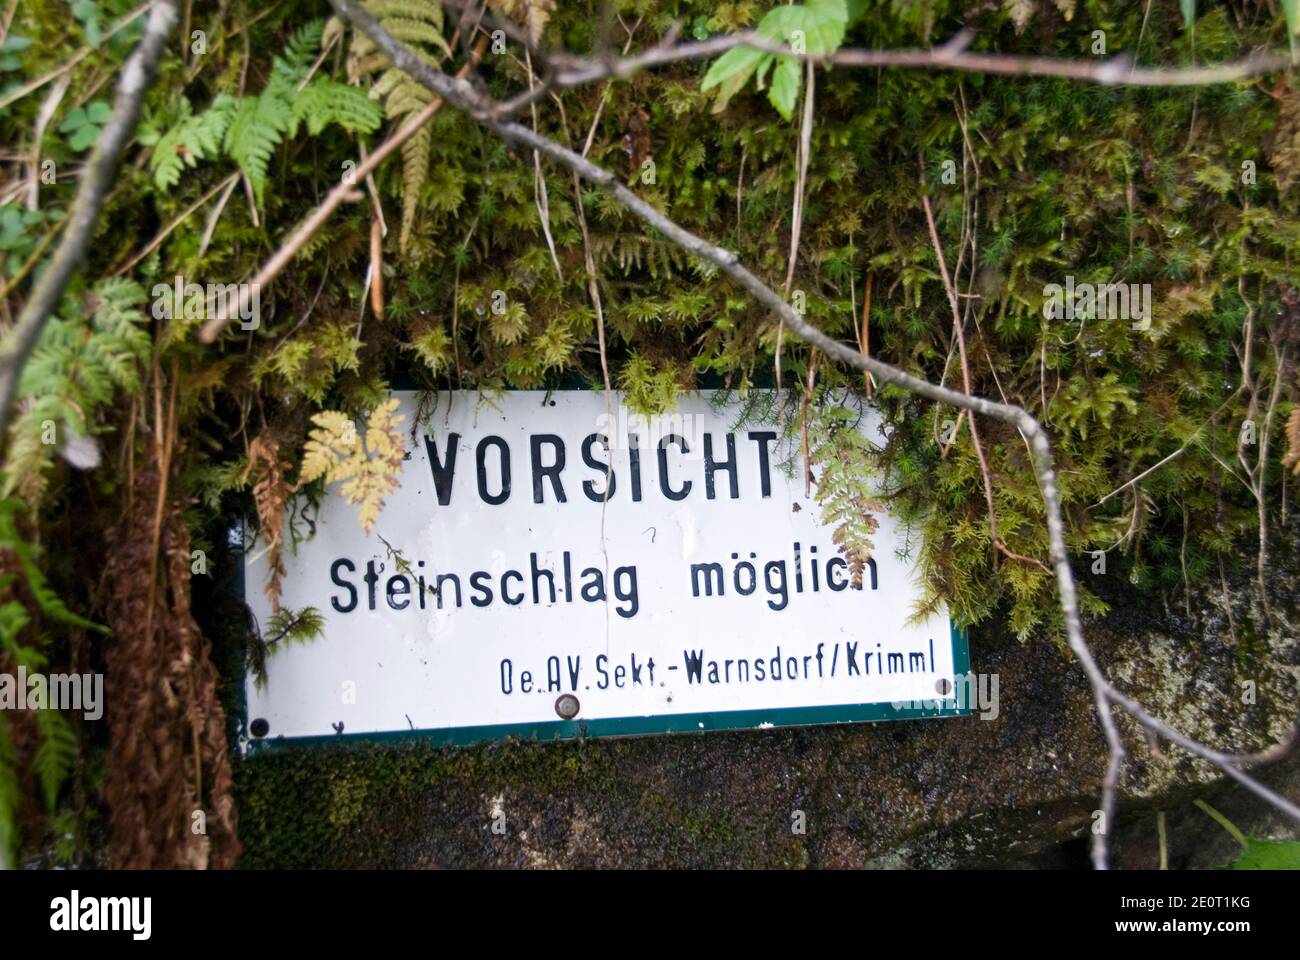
{"x":562,"y":70}
{"x":572,"y":71}
{"x":137,"y":75}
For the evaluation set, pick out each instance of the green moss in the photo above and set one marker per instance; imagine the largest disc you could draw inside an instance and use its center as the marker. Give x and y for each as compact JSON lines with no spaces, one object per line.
{"x":410,"y":804}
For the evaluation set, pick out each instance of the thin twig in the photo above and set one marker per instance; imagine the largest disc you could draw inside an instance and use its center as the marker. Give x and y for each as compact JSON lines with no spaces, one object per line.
{"x":215,"y":216}
{"x":957,"y":326}
{"x":541,"y":198}
{"x":1173,"y":456}
{"x":227,"y":184}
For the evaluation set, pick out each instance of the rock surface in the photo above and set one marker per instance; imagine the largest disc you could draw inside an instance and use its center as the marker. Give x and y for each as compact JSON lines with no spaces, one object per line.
{"x":1020,"y":789}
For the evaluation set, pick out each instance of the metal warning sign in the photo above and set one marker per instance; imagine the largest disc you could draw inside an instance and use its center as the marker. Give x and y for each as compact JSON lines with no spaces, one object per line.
{"x":555,"y":566}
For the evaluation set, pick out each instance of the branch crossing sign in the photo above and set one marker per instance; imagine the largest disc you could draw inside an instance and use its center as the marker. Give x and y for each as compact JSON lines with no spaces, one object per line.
{"x":503,"y":593}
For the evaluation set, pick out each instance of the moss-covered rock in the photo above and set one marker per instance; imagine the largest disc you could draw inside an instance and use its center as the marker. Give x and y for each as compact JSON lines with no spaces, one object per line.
{"x":926,"y":793}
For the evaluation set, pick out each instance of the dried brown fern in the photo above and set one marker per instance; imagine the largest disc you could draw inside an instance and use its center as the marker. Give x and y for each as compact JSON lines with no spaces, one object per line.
{"x":533,"y":15}
{"x":271,"y":493}
{"x":169,"y":788}
{"x":1284,"y":149}
{"x":1292,"y":458}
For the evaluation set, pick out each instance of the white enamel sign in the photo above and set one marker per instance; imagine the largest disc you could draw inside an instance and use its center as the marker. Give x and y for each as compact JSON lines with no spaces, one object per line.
{"x":500,"y":593}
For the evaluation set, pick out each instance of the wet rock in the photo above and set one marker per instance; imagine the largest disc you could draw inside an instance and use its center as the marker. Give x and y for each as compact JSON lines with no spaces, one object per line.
{"x":1020,"y":789}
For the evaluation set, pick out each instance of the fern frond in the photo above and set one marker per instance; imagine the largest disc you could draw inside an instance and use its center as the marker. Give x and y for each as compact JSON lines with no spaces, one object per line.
{"x":419,"y":23}
{"x":325,"y":101}
{"x":285,"y":627}
{"x":193,"y":138}
{"x":415,"y":169}
{"x":368,"y":466}
{"x":1292,"y":458}
{"x":72,"y":372}
{"x":533,"y":14}
{"x":847,"y":504}
{"x":257,"y":129}
{"x":300,"y":52}
{"x":55,"y":755}
{"x":411,"y":30}
{"x":10,"y":794}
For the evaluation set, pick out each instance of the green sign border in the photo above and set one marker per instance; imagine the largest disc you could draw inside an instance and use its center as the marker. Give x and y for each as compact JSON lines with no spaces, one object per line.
{"x":556,"y":730}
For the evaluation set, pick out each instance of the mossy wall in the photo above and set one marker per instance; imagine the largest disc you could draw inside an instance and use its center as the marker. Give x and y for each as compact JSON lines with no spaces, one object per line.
{"x":1190,"y":191}
{"x":903,"y":793}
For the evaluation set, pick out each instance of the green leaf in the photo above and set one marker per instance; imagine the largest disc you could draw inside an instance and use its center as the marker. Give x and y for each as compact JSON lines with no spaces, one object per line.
{"x":84,"y":123}
{"x":10,"y":794}
{"x":256,"y":130}
{"x":75,"y":120}
{"x":55,"y":755}
{"x":326,"y":101}
{"x":814,"y":28}
{"x":738,"y":62}
{"x":1256,"y":854}
{"x":87,"y":11}
{"x":1267,"y":855}
{"x":84,"y":138}
{"x":98,"y":112}
{"x":1189,"y":12}
{"x":821,"y":22}
{"x":785,"y":86}
{"x":732,"y":71}
{"x":192,"y":139}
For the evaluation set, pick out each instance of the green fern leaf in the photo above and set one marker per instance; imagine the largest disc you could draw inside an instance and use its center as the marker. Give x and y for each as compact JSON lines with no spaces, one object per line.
{"x":55,"y":755}
{"x":10,"y":795}
{"x":325,"y":101}
{"x":257,"y":128}
{"x":419,"y":23}
{"x":193,"y":138}
{"x":300,"y":52}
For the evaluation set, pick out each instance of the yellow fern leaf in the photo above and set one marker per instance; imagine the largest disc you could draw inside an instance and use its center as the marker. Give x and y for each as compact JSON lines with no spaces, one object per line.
{"x":368,"y":467}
